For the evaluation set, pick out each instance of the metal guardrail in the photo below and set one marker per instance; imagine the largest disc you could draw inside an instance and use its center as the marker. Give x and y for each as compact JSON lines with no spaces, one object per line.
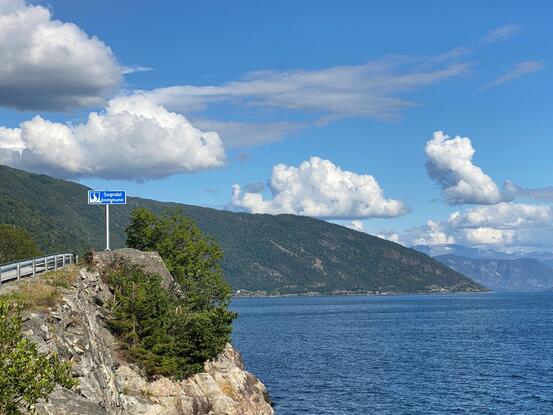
{"x":34,"y":266}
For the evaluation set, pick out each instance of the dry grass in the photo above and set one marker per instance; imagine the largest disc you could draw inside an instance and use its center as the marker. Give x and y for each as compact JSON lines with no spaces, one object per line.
{"x":63,"y":278}
{"x":42,"y":292}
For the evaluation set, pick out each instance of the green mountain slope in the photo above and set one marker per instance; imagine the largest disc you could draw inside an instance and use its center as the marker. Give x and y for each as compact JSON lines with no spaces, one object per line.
{"x":275,"y":254}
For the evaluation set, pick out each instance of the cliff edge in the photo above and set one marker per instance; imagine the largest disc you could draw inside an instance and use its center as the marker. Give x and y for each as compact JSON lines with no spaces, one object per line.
{"x":108,"y":384}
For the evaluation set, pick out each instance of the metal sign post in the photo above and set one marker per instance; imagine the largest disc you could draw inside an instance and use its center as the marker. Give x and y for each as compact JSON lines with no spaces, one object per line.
{"x":107,"y":227}
{"x":107,"y":197}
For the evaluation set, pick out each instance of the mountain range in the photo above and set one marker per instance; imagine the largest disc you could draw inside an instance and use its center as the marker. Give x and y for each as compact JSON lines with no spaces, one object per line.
{"x":264,"y":254}
{"x":499,"y":271}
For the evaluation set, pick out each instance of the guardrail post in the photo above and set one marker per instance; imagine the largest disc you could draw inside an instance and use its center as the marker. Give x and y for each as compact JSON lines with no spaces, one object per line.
{"x":34,"y":267}
{"x":55,"y":262}
{"x":0,"y":275}
{"x":63,"y":260}
{"x":18,"y":272}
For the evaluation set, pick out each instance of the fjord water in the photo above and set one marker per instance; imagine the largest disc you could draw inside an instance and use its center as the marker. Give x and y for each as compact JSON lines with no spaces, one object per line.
{"x":423,"y":354}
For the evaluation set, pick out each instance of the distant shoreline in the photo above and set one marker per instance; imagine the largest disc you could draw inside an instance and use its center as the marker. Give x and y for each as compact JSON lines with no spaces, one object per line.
{"x":356,"y":294}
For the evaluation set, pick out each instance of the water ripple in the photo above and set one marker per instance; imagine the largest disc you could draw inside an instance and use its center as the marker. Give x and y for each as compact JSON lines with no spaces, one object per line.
{"x":455,"y":354}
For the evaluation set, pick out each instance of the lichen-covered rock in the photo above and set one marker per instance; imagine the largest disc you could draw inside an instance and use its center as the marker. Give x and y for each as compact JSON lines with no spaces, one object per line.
{"x":224,"y":388}
{"x":108,"y":384}
{"x":148,"y":261}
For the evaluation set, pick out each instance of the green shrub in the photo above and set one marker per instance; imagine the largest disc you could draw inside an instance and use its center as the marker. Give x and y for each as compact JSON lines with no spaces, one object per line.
{"x":25,"y":374}
{"x":193,"y":259}
{"x":16,"y":244}
{"x":158,"y":330}
{"x":172,"y":333}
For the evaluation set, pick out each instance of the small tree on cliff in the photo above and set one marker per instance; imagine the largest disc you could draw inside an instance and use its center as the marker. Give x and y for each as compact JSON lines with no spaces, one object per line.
{"x":191,"y":257}
{"x":172,"y":333}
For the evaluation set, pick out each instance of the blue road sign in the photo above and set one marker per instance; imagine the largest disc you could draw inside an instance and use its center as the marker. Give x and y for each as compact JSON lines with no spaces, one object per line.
{"x":107,"y":197}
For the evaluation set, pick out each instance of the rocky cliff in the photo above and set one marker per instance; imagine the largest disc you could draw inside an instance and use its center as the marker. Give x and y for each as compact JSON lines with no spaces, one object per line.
{"x":108,"y":384}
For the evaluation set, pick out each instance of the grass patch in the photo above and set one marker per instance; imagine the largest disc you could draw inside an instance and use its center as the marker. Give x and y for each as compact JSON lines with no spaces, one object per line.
{"x":42,"y":292}
{"x":64,"y":278}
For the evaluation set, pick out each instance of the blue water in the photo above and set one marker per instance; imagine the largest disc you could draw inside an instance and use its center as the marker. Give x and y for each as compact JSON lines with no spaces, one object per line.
{"x":441,"y":354}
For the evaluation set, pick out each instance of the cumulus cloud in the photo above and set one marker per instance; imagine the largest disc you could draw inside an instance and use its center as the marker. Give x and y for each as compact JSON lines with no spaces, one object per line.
{"x":356,"y":225}
{"x":321,"y":189}
{"x":518,"y":70}
{"x":132,"y":139}
{"x":504,"y":224}
{"x":449,"y":163}
{"x":390,"y":235}
{"x":434,"y":233}
{"x":387,"y":234}
{"x":503,"y":215}
{"x":489,"y":236}
{"x":50,"y":65}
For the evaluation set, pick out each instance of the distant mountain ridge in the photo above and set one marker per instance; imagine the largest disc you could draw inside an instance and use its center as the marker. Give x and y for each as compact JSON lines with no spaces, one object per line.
{"x":499,"y":271}
{"x":521,"y":275}
{"x":283,"y":254}
{"x":481,"y":253}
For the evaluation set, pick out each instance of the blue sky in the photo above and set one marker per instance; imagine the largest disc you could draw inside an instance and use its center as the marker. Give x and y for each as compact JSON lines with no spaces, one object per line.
{"x":360,"y":85}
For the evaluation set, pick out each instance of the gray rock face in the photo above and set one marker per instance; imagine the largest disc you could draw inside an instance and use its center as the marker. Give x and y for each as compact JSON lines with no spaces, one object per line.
{"x":110,"y":385}
{"x":148,"y":261}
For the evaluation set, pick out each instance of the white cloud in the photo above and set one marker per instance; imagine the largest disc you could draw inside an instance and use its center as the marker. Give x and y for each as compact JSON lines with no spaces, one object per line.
{"x":10,"y":140}
{"x":368,"y":90}
{"x":50,"y":65}
{"x":501,"y":33}
{"x":503,"y":215}
{"x":518,"y":70}
{"x":132,"y":139}
{"x":387,"y":234}
{"x":136,"y":69}
{"x":434,"y":233}
{"x":503,"y":224}
{"x":390,"y":236}
{"x":321,"y":189}
{"x":449,"y":163}
{"x":544,"y":193}
{"x":489,"y":236}
{"x":356,"y":225}
{"x":372,"y":90}
{"x":246,"y":134}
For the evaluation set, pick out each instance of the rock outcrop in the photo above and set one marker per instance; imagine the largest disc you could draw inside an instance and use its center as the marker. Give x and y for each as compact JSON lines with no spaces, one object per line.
{"x":108,"y":384}
{"x":148,"y":261}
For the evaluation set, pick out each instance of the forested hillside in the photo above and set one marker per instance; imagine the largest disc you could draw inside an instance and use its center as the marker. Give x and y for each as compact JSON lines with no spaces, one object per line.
{"x":263,"y":253}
